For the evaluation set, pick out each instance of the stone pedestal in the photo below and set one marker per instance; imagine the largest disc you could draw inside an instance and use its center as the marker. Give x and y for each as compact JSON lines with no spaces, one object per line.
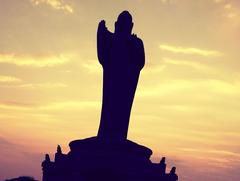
{"x":93,"y":159}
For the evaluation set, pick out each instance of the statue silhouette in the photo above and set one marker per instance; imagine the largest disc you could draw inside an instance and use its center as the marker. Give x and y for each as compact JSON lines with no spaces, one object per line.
{"x":122,"y":57}
{"x":110,"y":155}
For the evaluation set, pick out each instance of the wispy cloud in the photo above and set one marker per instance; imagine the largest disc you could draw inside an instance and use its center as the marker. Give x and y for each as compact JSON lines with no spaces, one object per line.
{"x":4,"y":142}
{"x":192,"y":64}
{"x":92,"y":66}
{"x":163,"y":89}
{"x":227,"y":6}
{"x":47,"y":85}
{"x":154,"y":69}
{"x":164,"y":1}
{"x":43,"y":85}
{"x":9,"y":79}
{"x":14,"y":106}
{"x":51,"y":106}
{"x":167,"y":1}
{"x":71,"y":105}
{"x":208,"y":85}
{"x":231,"y":11}
{"x":35,"y":61}
{"x":218,"y":1}
{"x":217,"y":158}
{"x":189,"y":50}
{"x":224,"y":153}
{"x":56,"y":4}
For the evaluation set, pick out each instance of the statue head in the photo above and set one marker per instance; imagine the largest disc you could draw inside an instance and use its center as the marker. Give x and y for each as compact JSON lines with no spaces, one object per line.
{"x":173,"y":170}
{"x":124,"y":24}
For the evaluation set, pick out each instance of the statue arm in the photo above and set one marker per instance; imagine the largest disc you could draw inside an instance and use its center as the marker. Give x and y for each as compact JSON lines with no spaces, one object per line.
{"x":103,"y":37}
{"x":139,"y":52}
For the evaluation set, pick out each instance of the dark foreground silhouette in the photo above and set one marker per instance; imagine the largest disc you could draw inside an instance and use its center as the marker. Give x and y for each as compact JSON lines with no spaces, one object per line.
{"x":122,"y":57}
{"x":110,"y":156}
{"x":22,"y":178}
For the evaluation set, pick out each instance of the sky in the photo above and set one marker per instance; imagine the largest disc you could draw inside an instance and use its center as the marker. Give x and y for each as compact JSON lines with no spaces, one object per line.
{"x":186,"y":107}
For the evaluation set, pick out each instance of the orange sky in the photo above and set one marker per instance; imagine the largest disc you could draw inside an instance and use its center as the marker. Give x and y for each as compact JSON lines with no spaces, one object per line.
{"x":187,"y":102}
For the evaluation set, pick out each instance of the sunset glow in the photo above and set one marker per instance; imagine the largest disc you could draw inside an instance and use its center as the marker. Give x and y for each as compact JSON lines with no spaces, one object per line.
{"x":187,"y":102}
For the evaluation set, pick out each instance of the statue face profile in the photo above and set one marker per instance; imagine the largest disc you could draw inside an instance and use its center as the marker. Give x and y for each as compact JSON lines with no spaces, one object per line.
{"x":124,"y":24}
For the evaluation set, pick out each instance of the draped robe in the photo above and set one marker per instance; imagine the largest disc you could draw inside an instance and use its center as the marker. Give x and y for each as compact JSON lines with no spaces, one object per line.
{"x":122,"y":58}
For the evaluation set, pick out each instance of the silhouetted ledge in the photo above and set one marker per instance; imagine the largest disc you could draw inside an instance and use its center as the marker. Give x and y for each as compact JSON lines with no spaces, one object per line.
{"x":114,"y":147}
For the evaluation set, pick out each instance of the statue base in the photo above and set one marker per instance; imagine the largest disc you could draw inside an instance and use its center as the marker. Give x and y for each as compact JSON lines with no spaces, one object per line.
{"x":95,"y":159}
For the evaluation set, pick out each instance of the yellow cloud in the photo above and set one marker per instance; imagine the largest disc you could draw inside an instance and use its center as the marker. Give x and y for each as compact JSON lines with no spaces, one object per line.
{"x":47,"y":85}
{"x":61,"y":105}
{"x":92,"y":66}
{"x":218,"y":1}
{"x":193,"y":64}
{"x":167,"y":1}
{"x":216,"y":152}
{"x":71,"y":105}
{"x":13,"y":106}
{"x":231,"y":15}
{"x":56,"y":4}
{"x":163,"y":89}
{"x":153,"y":69}
{"x":227,"y":6}
{"x":208,"y":85}
{"x":9,"y":79}
{"x":223,"y":87}
{"x":43,"y":85}
{"x":231,"y":11}
{"x":185,"y":50}
{"x":35,"y":61}
{"x":164,"y":1}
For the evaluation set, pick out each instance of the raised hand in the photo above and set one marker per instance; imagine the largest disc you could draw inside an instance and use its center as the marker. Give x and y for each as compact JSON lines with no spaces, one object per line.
{"x":102,"y":24}
{"x":134,"y":35}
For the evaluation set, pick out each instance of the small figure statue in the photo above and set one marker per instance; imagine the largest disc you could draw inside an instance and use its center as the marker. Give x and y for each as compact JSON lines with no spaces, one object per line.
{"x":162,"y":166}
{"x":47,"y":158}
{"x":59,"y":149}
{"x":58,"y":154}
{"x":122,"y":57}
{"x":172,"y":175}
